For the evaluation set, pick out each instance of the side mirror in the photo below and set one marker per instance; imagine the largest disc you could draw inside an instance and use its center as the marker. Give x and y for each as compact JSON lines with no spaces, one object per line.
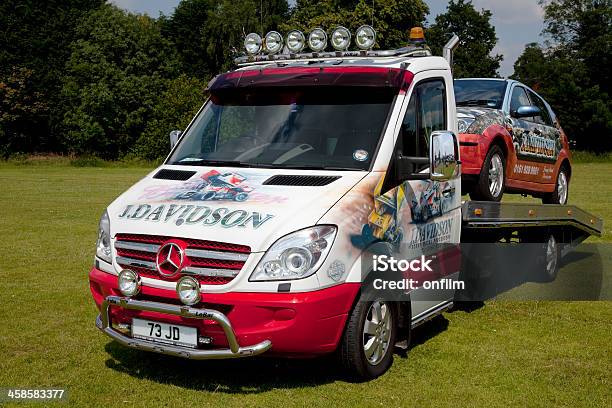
{"x":175,"y":135}
{"x":443,"y":156}
{"x":443,"y":162}
{"x":526,"y":111}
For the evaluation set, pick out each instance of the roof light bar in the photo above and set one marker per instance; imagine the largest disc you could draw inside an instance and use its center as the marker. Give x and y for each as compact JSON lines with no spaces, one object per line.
{"x":340,"y":38}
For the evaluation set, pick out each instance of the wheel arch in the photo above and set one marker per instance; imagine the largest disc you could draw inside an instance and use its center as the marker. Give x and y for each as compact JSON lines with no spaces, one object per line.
{"x":566,"y":163}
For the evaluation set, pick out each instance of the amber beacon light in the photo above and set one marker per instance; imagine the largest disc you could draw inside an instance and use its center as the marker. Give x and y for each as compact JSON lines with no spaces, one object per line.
{"x":417,"y":35}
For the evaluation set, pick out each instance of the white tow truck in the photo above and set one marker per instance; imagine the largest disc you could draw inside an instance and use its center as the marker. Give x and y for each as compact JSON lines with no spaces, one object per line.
{"x":256,"y":235}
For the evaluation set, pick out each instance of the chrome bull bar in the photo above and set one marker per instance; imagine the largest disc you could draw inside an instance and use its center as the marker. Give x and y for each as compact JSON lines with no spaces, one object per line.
{"x":104,"y":324}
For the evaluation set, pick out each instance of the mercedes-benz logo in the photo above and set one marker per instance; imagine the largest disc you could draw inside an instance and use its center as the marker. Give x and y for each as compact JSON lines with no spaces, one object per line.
{"x":169,"y":260}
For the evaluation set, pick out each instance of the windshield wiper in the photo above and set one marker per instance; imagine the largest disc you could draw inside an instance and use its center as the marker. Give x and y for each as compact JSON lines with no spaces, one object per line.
{"x":314,"y":167}
{"x":203,"y":162}
{"x":190,"y":161}
{"x":478,"y":102}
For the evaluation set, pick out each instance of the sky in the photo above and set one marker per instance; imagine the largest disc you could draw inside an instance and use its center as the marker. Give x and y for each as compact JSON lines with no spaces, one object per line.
{"x":517,"y":22}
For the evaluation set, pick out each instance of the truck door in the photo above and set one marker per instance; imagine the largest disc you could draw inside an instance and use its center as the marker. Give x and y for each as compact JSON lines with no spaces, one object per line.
{"x":430,"y":210}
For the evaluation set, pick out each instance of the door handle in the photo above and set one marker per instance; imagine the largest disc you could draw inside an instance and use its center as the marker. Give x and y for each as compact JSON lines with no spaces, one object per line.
{"x":448,"y":191}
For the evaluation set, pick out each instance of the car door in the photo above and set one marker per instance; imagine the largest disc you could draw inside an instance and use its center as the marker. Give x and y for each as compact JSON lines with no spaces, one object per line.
{"x":431,"y":210}
{"x":522,"y":129}
{"x":548,"y":139}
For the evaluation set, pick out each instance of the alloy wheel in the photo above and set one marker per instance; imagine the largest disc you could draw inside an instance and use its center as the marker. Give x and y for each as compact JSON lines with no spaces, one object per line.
{"x":562,"y":187}
{"x":377,"y":332}
{"x":496,"y":175}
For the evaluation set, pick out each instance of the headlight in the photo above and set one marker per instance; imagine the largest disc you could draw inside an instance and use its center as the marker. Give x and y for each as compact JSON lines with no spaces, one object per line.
{"x":296,"y":255}
{"x":365,"y":36}
{"x":273,"y":42}
{"x":295,"y":41}
{"x":341,"y":38}
{"x":129,"y":282}
{"x":103,"y":246}
{"x":464,"y":124}
{"x":252,"y":43}
{"x":317,"y":40}
{"x":188,"y":290}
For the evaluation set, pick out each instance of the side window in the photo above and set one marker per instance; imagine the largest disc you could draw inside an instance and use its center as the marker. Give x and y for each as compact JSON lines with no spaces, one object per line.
{"x":425,"y":114}
{"x":544,"y":117}
{"x":519,"y":98}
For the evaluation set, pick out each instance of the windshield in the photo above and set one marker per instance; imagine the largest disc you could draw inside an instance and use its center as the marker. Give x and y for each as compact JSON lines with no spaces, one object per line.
{"x":478,"y":92}
{"x":308,"y":127}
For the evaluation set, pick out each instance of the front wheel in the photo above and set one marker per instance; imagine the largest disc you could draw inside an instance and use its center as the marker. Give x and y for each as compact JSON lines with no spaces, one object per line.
{"x":492,"y":180}
{"x":366,"y":349}
{"x":559,"y":195}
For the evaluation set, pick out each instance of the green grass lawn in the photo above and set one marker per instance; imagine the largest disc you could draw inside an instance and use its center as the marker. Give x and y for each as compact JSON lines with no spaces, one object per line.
{"x":502,"y":354}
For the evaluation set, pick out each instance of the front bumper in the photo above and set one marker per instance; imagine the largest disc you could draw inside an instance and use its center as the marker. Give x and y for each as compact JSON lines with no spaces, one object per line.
{"x":234,"y":350}
{"x":303,"y":324}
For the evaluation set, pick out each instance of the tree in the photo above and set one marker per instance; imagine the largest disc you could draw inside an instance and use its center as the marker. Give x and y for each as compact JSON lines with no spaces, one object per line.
{"x":529,"y":67}
{"x":391,"y":19}
{"x":175,"y":108}
{"x":477,"y":39}
{"x":205,"y":31}
{"x":572,"y":71}
{"x":35,"y":41}
{"x":21,"y":110}
{"x":583,"y":29}
{"x":119,"y":66}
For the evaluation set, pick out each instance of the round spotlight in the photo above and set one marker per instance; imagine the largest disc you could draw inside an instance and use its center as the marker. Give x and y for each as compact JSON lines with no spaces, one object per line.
{"x":295,"y":41}
{"x":129,"y":282}
{"x":341,"y":38}
{"x":273,"y":42}
{"x":365,"y":36}
{"x":252,"y":43}
{"x":188,"y":290}
{"x":317,"y":40}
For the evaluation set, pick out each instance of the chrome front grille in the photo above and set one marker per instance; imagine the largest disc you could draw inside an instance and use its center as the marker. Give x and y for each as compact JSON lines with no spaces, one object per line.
{"x":212,"y":263}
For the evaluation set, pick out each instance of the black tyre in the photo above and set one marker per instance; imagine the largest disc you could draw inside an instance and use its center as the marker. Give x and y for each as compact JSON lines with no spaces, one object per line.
{"x":559,"y":196}
{"x":366,"y":348}
{"x":492,"y":180}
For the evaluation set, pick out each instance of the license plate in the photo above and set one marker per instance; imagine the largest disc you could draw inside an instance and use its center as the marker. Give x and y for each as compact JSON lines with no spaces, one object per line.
{"x":165,"y":333}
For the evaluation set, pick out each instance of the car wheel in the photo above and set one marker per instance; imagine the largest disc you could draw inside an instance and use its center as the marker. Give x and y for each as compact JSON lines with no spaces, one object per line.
{"x":366,"y":349}
{"x":549,"y":268}
{"x":492,"y":181}
{"x":559,"y":196}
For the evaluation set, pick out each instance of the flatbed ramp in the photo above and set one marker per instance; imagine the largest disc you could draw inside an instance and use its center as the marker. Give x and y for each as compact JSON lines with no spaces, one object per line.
{"x":503,"y":218}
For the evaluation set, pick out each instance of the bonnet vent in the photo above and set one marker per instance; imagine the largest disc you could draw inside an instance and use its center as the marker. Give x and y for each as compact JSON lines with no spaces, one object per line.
{"x":291,"y":180}
{"x":168,"y":174}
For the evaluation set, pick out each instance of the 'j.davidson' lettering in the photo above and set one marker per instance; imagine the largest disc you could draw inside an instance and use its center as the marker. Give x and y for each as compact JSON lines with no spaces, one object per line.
{"x":194,"y":214}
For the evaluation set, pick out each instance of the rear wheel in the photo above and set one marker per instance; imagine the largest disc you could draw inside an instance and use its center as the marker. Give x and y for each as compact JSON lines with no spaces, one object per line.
{"x":559,"y":196}
{"x":549,"y":266}
{"x":366,"y":349}
{"x":492,"y":180}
